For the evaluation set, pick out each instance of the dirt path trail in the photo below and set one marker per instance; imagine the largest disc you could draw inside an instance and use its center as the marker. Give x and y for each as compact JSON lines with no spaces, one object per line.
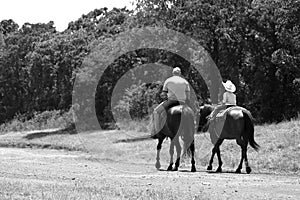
{"x":62,"y":168}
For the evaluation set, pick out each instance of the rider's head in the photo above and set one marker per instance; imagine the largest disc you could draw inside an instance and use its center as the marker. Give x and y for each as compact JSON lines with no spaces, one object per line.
{"x":176,"y":71}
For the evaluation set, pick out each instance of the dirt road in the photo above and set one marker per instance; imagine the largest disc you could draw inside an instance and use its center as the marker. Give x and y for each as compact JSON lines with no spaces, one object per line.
{"x":61,"y":168}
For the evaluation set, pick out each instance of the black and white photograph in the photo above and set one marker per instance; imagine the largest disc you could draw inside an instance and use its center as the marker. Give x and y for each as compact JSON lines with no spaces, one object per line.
{"x":150,"y":99}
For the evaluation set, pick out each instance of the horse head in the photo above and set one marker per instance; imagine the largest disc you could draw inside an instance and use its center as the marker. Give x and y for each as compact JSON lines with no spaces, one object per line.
{"x":204,"y":112}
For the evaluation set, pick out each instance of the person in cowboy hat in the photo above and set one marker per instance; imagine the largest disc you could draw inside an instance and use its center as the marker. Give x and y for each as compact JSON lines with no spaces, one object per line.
{"x":229,"y":98}
{"x":177,"y":91}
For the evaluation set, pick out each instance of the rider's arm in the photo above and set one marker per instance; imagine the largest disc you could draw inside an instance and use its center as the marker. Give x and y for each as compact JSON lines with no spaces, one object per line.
{"x":165,"y":86}
{"x":164,"y":92}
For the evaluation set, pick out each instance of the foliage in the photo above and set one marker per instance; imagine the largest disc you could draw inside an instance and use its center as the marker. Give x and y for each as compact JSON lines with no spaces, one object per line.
{"x":253,"y":43}
{"x":138,"y":101}
{"x":39,"y":121}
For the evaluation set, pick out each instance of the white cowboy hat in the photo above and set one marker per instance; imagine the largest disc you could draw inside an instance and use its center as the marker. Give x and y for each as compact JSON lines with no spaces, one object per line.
{"x":176,"y":70}
{"x":229,"y":86}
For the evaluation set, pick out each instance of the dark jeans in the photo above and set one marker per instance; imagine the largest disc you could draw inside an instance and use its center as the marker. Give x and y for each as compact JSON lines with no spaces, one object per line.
{"x":166,"y":105}
{"x":171,"y":103}
{"x":228,"y":106}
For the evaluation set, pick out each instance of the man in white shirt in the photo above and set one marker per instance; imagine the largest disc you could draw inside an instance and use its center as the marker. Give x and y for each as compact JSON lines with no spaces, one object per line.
{"x":178,"y":92}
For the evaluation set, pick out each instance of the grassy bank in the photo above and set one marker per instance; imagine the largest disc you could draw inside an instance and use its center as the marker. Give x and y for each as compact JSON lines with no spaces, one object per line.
{"x":279,"y":149}
{"x":39,"y":121}
{"x":279,"y":152}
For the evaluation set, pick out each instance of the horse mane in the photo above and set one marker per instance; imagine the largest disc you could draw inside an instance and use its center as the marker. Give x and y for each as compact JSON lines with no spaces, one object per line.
{"x":206,"y":109}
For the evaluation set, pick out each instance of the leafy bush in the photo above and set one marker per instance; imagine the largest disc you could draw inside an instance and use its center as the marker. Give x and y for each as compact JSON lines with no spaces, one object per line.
{"x":139,"y":101}
{"x":39,"y":120}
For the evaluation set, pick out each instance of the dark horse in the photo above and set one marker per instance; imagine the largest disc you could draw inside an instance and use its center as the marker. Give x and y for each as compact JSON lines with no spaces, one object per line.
{"x":237,"y":124}
{"x":179,"y":124}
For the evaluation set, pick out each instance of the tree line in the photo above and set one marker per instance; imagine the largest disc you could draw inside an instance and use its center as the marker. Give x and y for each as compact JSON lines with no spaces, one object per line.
{"x":254,"y":43}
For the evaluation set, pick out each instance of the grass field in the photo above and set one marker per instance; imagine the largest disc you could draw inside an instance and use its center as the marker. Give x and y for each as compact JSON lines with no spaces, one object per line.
{"x":279,"y":152}
{"x":79,"y":191}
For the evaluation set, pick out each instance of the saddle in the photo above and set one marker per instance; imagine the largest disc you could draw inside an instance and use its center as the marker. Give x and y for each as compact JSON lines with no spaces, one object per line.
{"x":159,"y":120}
{"x":235,"y":111}
{"x":216,"y":123}
{"x":163,"y":116}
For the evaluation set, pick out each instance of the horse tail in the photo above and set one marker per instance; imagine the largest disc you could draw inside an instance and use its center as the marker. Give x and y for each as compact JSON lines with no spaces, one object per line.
{"x":249,"y":130}
{"x":188,"y":128}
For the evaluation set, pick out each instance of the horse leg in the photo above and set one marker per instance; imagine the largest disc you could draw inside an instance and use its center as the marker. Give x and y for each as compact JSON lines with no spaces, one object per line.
{"x":157,"y":164}
{"x":178,"y":151}
{"x":209,"y":167}
{"x":171,"y":151}
{"x":214,"y":151}
{"x":244,"y":149}
{"x":219,"y":169}
{"x":239,"y":169}
{"x":248,"y":169}
{"x":192,"y":148}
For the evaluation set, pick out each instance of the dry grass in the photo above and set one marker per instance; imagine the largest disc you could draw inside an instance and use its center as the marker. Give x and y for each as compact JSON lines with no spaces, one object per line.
{"x":279,"y":153}
{"x":79,"y":191}
{"x":49,"y":138}
{"x":39,"y":121}
{"x":137,"y":126}
{"x":280,"y":147}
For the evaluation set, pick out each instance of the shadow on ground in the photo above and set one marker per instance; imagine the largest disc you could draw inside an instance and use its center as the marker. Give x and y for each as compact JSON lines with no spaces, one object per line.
{"x":39,"y":134}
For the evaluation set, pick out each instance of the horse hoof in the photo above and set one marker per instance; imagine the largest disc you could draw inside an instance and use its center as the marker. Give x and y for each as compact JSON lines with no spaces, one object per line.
{"x":209,"y":167}
{"x":248,"y":170}
{"x":170,"y":168}
{"x":238,"y":171}
{"x":193,"y":169}
{"x":219,"y":170}
{"x":175,"y":169}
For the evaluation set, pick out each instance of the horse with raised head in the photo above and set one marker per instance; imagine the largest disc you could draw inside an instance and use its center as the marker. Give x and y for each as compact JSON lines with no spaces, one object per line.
{"x":179,"y":124}
{"x":237,"y":124}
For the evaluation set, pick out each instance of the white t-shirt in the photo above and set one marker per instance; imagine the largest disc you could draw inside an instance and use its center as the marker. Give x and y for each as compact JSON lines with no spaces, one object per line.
{"x":229,"y":98}
{"x":176,"y":87}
